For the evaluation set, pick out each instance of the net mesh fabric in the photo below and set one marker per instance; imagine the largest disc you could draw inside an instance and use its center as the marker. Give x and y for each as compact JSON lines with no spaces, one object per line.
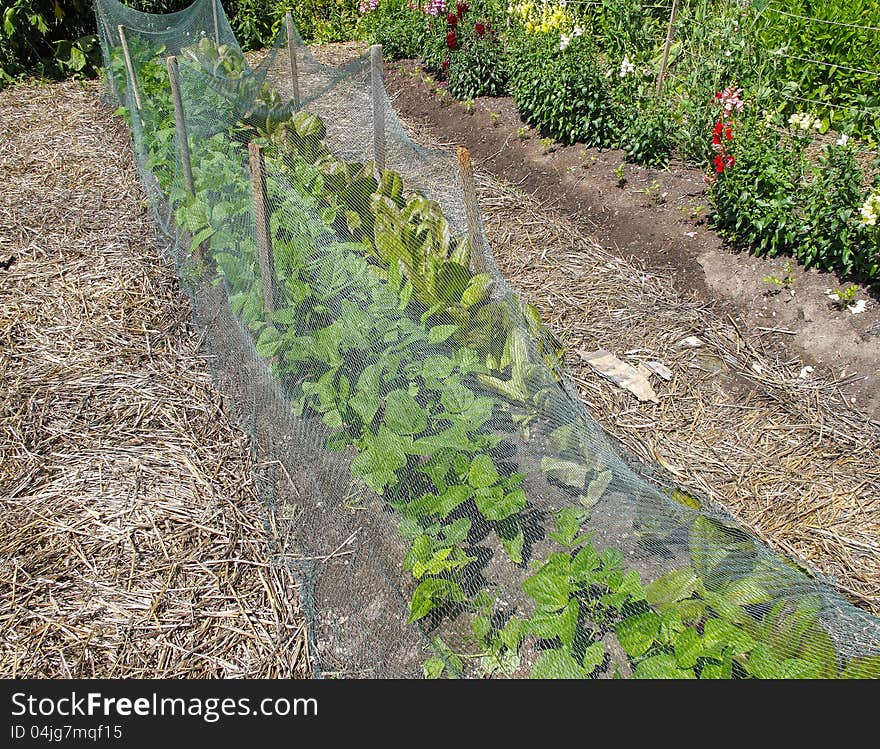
{"x":455,"y":510}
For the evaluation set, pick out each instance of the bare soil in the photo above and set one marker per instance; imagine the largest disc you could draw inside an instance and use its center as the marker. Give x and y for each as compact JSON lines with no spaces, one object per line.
{"x":659,"y":218}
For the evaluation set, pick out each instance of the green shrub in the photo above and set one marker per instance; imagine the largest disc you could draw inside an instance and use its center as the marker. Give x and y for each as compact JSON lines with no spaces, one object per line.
{"x":755,"y":199}
{"x":477,"y":67}
{"x":399,"y":29}
{"x":561,"y":92}
{"x":649,"y":133}
{"x":830,"y":234}
{"x":51,"y":39}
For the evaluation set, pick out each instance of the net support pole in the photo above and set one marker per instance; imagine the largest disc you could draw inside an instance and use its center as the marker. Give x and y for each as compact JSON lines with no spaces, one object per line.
{"x":180,"y":124}
{"x":135,"y":90}
{"x":378,"y":89}
{"x":264,"y":233}
{"x":216,"y":22}
{"x":472,"y":211}
{"x":669,"y":31}
{"x":291,"y":53}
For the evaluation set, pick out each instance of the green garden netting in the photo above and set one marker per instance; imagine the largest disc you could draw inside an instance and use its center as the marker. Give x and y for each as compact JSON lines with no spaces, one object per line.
{"x":457,"y":512}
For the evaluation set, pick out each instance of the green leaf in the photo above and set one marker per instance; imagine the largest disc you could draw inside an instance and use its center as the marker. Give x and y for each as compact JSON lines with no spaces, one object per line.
{"x":433,"y":667}
{"x":706,"y":546}
{"x":672,"y":587}
{"x":549,"y":586}
{"x":688,"y":647}
{"x":439,"y":333}
{"x":637,"y":633}
{"x":494,"y":504}
{"x":568,"y":524}
{"x":482,"y":472}
{"x":437,"y":367}
{"x":269,"y":343}
{"x":451,"y":282}
{"x":584,"y":563}
{"x":862,"y":667}
{"x":456,"y":398}
{"x":762,"y":664}
{"x":565,"y":471}
{"x":594,"y":655}
{"x":719,"y":634}
{"x":511,"y":534}
{"x":403,"y":415}
{"x":597,"y":488}
{"x":381,"y":457}
{"x":661,"y":666}
{"x":717,"y":670}
{"x":430,"y":594}
{"x":557,"y":664}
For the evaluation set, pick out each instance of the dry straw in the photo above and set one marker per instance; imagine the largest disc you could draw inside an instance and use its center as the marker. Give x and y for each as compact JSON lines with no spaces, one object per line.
{"x":132,"y":539}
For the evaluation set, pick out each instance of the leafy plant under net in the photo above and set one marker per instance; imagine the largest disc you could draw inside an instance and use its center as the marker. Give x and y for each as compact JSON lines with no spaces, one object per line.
{"x":460,"y":513}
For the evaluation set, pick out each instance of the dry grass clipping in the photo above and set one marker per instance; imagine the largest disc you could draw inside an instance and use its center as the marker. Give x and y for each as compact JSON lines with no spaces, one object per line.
{"x":132,"y":539}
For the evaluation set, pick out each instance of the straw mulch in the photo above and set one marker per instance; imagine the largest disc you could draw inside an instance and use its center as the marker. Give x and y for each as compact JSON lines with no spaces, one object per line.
{"x":736,"y":426}
{"x":132,"y":539}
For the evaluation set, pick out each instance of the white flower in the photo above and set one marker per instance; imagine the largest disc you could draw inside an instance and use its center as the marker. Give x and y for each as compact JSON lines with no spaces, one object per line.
{"x":626,"y":67}
{"x":842,"y":140}
{"x":870,"y":209}
{"x":727,"y":54}
{"x":805,"y":372}
{"x":858,"y":307}
{"x":804,"y":121}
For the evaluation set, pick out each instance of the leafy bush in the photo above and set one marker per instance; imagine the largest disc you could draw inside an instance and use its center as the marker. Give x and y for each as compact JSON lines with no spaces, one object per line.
{"x":772,"y":199}
{"x":649,"y":134}
{"x":755,"y":199}
{"x":562,"y":92}
{"x":830,"y":234}
{"x":46,"y":38}
{"x":476,"y":68}
{"x":395,"y":26}
{"x":847,"y":52}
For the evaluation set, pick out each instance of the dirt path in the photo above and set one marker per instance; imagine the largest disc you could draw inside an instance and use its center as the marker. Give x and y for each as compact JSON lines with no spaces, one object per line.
{"x":132,"y":539}
{"x":659,"y":219}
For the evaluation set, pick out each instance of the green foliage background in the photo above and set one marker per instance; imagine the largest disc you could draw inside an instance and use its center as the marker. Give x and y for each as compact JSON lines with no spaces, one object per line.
{"x":56,"y":38}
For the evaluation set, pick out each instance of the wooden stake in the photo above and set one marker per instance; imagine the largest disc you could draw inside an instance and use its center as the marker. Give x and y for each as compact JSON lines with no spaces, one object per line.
{"x":180,"y":123}
{"x":130,"y":68}
{"x":264,"y":233}
{"x":666,"y":46}
{"x":291,"y":52}
{"x":216,"y":22}
{"x":472,"y":211}
{"x":378,"y":88}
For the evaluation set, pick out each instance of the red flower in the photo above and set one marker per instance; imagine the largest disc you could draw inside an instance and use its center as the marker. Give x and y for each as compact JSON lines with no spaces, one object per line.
{"x":718,"y":127}
{"x":716,"y":142}
{"x":452,"y":20}
{"x":452,"y":40}
{"x":462,"y":8}
{"x":728,"y":133}
{"x":717,"y":94}
{"x":444,"y":66}
{"x":719,"y":163}
{"x":480,"y":29}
